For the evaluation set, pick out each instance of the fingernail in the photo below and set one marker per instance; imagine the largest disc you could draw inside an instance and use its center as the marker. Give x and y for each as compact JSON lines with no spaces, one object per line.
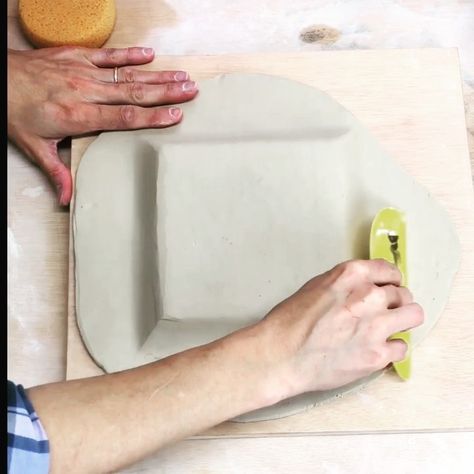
{"x":175,"y":112}
{"x":147,"y":51}
{"x":60,"y":195}
{"x":181,"y":76}
{"x":189,"y":86}
{"x":63,"y":201}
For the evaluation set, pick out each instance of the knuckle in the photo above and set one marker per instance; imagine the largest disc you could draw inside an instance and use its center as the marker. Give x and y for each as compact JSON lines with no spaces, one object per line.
{"x":55,"y":170}
{"x":135,"y":92}
{"x":384,"y":267}
{"x":400,"y":351}
{"x":47,"y":160}
{"x":50,"y":109}
{"x":128,"y":75}
{"x":170,"y":89}
{"x":75,"y":83}
{"x":63,"y":112}
{"x":354,"y":269}
{"x":374,"y":359}
{"x":382,"y":263}
{"x":110,"y":53}
{"x":377,"y":295}
{"x":63,"y":51}
{"x":73,"y":113}
{"x":81,"y":50}
{"x":100,"y":115}
{"x":127,"y":115}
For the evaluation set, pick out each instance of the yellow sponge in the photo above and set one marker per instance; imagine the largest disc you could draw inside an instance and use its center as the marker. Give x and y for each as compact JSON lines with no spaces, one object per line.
{"x":67,"y":22}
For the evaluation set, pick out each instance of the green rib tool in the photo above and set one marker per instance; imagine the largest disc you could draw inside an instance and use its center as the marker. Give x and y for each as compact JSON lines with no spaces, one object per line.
{"x":388,"y":241}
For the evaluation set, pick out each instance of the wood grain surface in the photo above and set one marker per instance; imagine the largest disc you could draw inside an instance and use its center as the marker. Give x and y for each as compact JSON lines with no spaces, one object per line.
{"x":423,"y":128}
{"x":423,"y":453}
{"x":38,"y":230}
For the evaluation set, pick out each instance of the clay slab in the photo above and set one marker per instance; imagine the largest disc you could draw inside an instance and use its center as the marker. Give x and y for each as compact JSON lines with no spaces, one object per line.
{"x":185,"y":234}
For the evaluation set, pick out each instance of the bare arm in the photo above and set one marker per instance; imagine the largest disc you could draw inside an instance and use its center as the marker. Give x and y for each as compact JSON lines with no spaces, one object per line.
{"x":120,"y":418}
{"x":331,"y":332}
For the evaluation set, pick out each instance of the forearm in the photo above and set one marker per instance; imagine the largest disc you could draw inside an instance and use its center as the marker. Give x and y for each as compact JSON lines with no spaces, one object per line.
{"x":103,"y":423}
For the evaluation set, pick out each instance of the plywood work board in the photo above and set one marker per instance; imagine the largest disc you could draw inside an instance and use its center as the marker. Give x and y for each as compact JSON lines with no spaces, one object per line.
{"x":411,"y":100}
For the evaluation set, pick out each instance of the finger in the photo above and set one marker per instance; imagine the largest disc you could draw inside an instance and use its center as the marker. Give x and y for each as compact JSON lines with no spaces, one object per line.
{"x":127,"y":117}
{"x":369,"y":299}
{"x":46,"y":155}
{"x":400,"y":319}
{"x":131,"y":74}
{"x":111,"y":57}
{"x":396,"y":296}
{"x":378,"y":272}
{"x":137,"y":93}
{"x":381,"y":272}
{"x":397,"y":350}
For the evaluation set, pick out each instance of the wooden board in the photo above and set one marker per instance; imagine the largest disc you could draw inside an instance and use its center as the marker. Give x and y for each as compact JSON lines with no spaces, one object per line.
{"x":411,"y":100}
{"x":402,"y":453}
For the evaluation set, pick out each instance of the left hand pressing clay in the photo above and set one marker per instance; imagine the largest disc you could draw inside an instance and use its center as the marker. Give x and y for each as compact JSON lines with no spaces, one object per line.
{"x":48,"y":23}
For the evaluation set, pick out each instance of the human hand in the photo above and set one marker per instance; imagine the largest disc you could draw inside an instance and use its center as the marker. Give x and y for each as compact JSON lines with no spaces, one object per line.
{"x":54,"y":93}
{"x":331,"y":332}
{"x":335,"y":329}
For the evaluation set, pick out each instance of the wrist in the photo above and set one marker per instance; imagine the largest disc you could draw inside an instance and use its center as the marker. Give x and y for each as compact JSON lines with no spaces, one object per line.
{"x":262,"y":364}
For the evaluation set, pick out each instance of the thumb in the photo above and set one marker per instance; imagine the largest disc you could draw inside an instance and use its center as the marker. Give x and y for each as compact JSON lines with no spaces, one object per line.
{"x":46,"y":155}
